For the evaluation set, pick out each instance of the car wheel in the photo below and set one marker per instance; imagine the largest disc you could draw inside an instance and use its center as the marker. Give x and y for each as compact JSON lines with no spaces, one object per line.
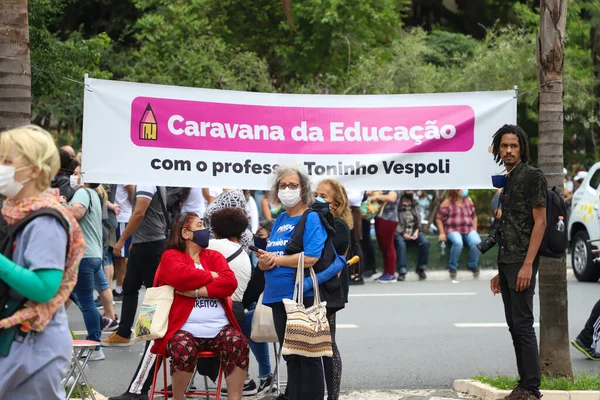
{"x":582,"y":258}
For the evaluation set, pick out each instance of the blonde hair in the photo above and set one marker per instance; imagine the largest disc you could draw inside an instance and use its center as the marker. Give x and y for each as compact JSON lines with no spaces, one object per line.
{"x":341,"y":197}
{"x":102,"y":193}
{"x":36,"y":147}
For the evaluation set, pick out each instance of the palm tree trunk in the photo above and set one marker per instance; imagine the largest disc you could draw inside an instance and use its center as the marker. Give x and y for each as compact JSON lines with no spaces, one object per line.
{"x":555,"y":357}
{"x":15,"y":70}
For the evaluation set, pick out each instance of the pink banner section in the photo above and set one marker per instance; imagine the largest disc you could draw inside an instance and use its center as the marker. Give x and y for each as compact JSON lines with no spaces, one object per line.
{"x":198,"y":125}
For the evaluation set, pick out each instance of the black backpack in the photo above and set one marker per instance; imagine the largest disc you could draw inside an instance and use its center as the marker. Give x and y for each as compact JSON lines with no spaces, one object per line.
{"x":555,"y":243}
{"x":332,"y":290}
{"x":9,"y":233}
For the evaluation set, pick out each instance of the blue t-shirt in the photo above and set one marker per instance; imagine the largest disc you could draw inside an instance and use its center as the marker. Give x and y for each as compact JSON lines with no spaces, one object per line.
{"x":279,"y":282}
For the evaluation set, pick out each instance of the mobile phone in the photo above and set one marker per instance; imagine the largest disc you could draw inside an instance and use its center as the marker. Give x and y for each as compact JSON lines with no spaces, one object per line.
{"x":254,"y":249}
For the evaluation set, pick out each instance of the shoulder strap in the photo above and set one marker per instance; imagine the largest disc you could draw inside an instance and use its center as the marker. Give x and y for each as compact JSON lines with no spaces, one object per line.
{"x":235,"y":255}
{"x":50,"y":212}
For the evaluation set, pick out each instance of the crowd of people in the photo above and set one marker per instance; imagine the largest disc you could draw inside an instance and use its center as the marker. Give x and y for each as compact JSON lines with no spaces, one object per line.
{"x":221,"y":251}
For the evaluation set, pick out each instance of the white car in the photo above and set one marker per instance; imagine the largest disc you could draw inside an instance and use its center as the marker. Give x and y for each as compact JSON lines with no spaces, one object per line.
{"x":584,"y":224}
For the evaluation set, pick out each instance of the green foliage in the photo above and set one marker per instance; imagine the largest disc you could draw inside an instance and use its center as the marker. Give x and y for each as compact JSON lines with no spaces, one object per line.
{"x":350,"y":46}
{"x":56,"y":63}
{"x":579,"y":382}
{"x":179,"y":47}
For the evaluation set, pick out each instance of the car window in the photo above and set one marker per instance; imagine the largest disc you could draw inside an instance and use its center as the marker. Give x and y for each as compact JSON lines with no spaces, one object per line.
{"x":595,"y":181}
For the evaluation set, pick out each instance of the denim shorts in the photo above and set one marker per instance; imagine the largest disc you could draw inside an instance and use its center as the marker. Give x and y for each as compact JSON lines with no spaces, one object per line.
{"x":100,"y":281}
{"x":108,"y":256}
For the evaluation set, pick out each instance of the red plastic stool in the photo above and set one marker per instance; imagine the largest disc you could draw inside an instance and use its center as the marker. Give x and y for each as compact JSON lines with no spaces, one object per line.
{"x":165,"y":392}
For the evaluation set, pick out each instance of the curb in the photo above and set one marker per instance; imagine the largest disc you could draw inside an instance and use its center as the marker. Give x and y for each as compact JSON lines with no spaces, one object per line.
{"x":442,"y":275}
{"x":484,"y":391}
{"x":98,"y":396}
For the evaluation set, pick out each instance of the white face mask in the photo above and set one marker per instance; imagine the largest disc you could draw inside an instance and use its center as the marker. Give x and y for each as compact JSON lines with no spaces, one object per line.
{"x":74,"y":181}
{"x":288,"y":197}
{"x":8,"y":186}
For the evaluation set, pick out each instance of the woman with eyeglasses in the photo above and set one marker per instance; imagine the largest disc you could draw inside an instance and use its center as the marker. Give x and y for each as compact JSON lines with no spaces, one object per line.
{"x":292,"y":188}
{"x":200,"y":319}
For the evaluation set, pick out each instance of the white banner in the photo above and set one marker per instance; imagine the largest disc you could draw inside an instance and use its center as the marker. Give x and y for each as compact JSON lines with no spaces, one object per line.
{"x":175,"y":136}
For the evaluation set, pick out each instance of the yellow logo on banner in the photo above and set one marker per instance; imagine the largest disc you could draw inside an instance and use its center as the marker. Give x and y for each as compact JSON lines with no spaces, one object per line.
{"x":148,"y":125}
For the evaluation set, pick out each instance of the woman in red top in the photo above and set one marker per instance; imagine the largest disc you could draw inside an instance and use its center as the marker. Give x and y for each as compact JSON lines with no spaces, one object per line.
{"x":201,"y":319}
{"x":457,"y":222}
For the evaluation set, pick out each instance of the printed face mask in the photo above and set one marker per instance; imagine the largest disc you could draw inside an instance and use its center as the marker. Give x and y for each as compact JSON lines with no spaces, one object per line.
{"x":202,"y":237}
{"x":8,"y":186}
{"x":289,"y":197}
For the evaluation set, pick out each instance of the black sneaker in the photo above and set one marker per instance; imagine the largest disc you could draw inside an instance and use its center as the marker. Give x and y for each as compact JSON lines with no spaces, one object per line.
{"x":356,"y":280}
{"x":130,"y":396}
{"x":401,"y":277}
{"x":282,"y":397}
{"x":117,"y":297}
{"x":368,"y":273}
{"x":587,"y":351}
{"x":108,"y":325}
{"x":475,"y":272}
{"x":422,"y":274}
{"x":250,"y":389}
{"x":453,"y":273}
{"x":264,"y":384}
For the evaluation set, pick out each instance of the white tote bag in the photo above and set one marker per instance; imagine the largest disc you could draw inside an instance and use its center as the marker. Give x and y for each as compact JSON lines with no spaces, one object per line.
{"x":263,"y":327}
{"x":153,"y":320}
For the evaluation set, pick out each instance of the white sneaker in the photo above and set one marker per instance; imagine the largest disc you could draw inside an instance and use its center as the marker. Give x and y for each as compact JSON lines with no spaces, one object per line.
{"x":97,"y":355}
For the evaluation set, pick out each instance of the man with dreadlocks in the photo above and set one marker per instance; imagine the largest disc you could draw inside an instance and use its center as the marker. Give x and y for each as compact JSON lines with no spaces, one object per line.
{"x":522,"y":226}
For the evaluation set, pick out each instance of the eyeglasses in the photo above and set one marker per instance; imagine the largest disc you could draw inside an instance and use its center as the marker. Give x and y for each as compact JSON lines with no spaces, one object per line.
{"x":292,"y":186}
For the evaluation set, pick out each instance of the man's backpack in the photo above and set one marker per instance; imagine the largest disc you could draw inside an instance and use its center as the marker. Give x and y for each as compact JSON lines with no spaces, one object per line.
{"x":555,"y":243}
{"x":8,"y":235}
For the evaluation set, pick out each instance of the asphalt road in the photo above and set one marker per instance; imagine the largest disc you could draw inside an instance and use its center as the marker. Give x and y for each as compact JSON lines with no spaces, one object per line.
{"x":409,"y":335}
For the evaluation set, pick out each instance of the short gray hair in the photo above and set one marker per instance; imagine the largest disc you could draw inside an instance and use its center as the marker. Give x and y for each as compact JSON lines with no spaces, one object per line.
{"x":306,"y":194}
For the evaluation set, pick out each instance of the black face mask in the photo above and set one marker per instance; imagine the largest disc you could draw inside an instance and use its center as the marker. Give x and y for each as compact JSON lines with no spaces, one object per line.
{"x":409,"y":196}
{"x":261,"y":243}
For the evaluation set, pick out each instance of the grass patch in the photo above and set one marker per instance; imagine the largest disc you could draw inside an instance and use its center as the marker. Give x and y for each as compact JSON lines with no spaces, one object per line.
{"x":579,"y":382}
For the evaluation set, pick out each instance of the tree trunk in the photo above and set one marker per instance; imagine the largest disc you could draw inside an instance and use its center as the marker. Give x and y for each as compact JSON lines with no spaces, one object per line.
{"x":555,"y":356}
{"x":15,"y":70}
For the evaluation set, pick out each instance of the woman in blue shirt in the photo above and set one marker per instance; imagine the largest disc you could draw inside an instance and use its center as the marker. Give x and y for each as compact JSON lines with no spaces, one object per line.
{"x":292,"y":188}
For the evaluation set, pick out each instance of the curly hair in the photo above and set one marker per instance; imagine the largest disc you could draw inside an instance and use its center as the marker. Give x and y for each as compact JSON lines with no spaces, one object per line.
{"x":523,"y":142}
{"x":341,"y":198}
{"x":305,"y":185}
{"x":229,"y":223}
{"x":176,"y":240}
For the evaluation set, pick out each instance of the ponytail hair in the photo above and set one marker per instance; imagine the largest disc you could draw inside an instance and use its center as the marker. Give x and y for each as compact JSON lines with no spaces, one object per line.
{"x":176,"y":240}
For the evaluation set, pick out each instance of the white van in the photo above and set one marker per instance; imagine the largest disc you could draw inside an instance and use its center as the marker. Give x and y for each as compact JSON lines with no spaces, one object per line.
{"x":584,"y":224}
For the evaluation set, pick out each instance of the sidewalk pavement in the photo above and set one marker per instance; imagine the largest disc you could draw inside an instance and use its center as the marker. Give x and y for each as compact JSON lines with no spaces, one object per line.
{"x":433,"y":394}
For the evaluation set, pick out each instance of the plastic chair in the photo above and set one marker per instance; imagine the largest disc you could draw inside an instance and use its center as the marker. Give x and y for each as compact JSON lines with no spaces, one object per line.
{"x":166,"y":393}
{"x":78,"y":363}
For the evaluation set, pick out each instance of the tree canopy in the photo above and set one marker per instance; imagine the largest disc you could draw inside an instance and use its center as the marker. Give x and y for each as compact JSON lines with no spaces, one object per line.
{"x":333,"y":47}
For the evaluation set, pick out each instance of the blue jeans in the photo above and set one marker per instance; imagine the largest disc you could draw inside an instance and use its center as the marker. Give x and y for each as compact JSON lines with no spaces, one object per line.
{"x":260,"y":350}
{"x":471,"y":239}
{"x":400,"y":244}
{"x":84,"y":289}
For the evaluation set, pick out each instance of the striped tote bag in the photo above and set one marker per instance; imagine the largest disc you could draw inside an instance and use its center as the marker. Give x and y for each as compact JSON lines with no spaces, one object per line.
{"x":307,"y":331}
